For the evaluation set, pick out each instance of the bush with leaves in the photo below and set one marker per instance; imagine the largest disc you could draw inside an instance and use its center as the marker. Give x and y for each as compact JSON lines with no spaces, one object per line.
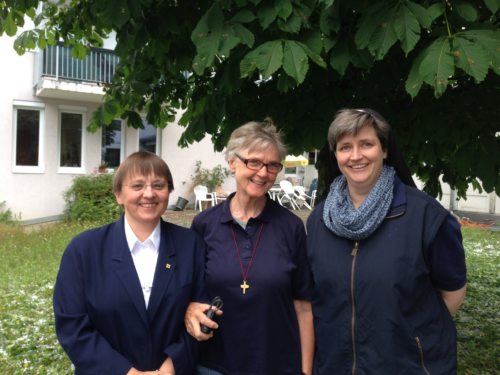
{"x":91,"y":198}
{"x":211,"y":178}
{"x":6,"y":216}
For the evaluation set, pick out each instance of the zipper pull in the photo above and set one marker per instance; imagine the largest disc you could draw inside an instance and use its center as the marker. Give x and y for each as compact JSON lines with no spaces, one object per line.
{"x":354,"y":251}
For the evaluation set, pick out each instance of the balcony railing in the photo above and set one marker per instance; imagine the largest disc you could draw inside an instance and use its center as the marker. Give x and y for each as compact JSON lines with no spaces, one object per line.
{"x":98,"y":66}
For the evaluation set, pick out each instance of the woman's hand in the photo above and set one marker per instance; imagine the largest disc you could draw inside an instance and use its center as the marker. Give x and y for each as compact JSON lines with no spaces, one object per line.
{"x":195,"y":315}
{"x":167,"y":367}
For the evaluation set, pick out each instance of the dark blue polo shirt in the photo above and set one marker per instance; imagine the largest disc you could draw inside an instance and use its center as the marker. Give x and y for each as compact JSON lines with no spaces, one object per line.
{"x":258,"y":333}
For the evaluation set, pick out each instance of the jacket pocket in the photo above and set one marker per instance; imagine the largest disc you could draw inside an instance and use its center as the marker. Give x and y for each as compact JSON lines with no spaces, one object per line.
{"x":421,"y":355}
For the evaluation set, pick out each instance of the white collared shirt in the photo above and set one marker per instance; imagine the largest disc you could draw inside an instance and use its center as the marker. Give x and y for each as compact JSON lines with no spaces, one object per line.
{"x":145,"y":256}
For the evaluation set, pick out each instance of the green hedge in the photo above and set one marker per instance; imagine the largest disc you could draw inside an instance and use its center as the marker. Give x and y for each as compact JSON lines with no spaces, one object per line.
{"x":91,"y":198}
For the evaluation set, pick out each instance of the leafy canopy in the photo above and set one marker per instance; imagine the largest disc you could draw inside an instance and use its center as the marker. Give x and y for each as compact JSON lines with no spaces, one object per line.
{"x":430,"y":67}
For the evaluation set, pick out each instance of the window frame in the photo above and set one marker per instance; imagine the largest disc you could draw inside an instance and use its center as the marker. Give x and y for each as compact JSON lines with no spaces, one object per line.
{"x":73,"y":110}
{"x":122,"y":142}
{"x":31,"y":106}
{"x":158,"y":138}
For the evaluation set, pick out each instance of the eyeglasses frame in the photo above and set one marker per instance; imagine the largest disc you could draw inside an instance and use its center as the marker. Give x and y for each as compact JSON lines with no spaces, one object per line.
{"x":245,"y":161}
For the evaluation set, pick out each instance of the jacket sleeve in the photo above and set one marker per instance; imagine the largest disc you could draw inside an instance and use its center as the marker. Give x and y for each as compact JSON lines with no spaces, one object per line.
{"x":85,"y":346}
{"x":184,"y":353}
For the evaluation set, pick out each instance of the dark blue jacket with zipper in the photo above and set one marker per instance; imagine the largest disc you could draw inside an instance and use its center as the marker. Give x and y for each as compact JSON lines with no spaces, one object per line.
{"x":375,"y":308}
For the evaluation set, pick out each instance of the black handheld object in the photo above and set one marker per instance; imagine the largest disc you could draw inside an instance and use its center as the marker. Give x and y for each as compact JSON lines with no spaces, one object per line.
{"x":210,"y":313}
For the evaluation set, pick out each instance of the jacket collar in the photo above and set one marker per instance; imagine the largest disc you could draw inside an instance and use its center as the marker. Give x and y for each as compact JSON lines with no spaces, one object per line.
{"x":398,"y":205}
{"x":124,"y":268}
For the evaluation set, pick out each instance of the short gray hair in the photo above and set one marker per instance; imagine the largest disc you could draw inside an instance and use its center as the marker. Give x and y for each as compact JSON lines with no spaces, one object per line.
{"x":255,"y":136}
{"x":350,"y":122}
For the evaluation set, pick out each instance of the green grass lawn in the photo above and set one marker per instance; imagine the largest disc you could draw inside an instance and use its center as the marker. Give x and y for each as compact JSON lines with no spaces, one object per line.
{"x":30,"y":259}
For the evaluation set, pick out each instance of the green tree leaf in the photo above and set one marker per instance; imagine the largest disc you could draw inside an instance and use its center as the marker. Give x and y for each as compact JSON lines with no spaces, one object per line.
{"x":383,"y":39}
{"x":283,"y":8}
{"x":423,"y":16}
{"x":51,"y":36}
{"x":295,"y":60}
{"x":118,"y":11}
{"x":373,"y":17}
{"x":329,"y":21}
{"x":25,"y":41}
{"x":206,"y":37}
{"x":244,"y":35}
{"x":267,"y":58}
{"x":42,"y":42}
{"x":266,"y":15}
{"x":407,"y":29}
{"x":79,"y":51}
{"x":414,"y":80}
{"x":376,"y":29}
{"x":466,"y":11}
{"x":292,"y":24}
{"x":313,"y":55}
{"x":340,"y":56}
{"x":9,"y":25}
{"x":435,"y":11}
{"x":489,"y":40}
{"x":314,"y":40}
{"x":437,"y":65}
{"x":471,"y":57}
{"x":493,"y":5}
{"x":243,"y":16}
{"x":228,"y":40}
{"x":134,"y":119}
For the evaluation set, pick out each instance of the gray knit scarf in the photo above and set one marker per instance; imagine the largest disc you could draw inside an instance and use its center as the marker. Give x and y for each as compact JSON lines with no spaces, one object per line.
{"x":344,"y":220}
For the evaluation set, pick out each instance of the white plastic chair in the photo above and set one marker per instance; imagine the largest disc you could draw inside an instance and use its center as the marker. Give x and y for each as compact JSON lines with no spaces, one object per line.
{"x":202,"y":195}
{"x":313,"y":197}
{"x":301,"y":197}
{"x":287,"y":194}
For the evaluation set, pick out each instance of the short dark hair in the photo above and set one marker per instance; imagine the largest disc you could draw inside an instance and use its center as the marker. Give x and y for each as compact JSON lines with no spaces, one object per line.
{"x":142,"y":163}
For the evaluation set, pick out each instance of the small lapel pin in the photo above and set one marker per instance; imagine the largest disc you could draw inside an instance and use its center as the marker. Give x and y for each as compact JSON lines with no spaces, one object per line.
{"x":167,"y":266}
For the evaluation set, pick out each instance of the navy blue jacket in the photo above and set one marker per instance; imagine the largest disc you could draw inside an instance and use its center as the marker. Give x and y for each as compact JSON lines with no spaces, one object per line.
{"x":101,"y":317}
{"x":375,"y":307}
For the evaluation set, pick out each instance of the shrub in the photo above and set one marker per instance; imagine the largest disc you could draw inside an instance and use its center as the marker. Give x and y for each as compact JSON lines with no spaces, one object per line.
{"x":211,"y":178}
{"x":6,"y":216}
{"x":91,"y":198}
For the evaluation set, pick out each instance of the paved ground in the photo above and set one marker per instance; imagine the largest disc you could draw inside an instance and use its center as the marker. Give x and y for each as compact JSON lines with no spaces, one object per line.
{"x":185,"y":217}
{"x":490,"y":221}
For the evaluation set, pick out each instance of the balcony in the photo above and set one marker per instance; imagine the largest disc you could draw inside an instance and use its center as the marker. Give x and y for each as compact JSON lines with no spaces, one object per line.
{"x":60,"y":76}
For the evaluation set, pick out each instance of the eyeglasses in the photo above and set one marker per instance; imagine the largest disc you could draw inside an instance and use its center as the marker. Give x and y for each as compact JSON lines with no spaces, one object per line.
{"x":139,"y":186}
{"x":256,"y":165}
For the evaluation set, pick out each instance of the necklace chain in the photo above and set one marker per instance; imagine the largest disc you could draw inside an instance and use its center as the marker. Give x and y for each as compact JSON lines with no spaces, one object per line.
{"x":244,"y":273}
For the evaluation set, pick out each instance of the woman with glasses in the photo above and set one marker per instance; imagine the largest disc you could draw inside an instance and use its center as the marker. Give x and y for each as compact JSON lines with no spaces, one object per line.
{"x":122,"y":289}
{"x":387,"y":261}
{"x":256,"y":262}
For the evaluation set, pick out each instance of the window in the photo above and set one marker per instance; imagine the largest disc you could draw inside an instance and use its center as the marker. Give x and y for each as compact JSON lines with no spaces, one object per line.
{"x":313,"y":157}
{"x":72,"y":138}
{"x":28,"y":137}
{"x":112,"y":144}
{"x":148,"y":138}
